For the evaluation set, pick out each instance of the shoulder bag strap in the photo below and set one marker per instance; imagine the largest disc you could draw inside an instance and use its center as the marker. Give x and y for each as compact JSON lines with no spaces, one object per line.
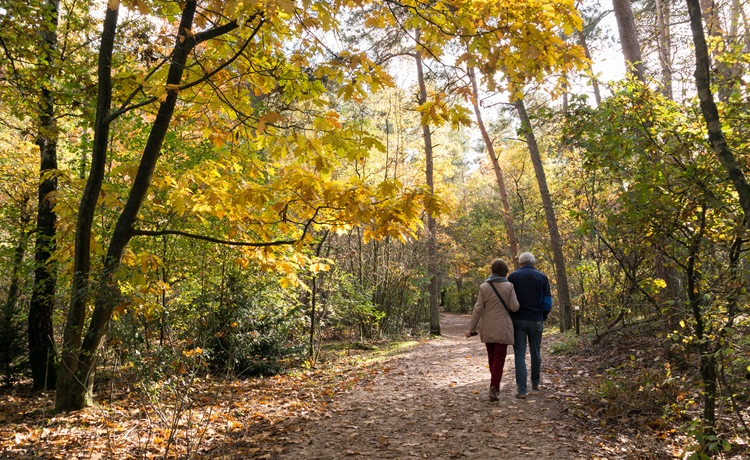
{"x":498,"y":295}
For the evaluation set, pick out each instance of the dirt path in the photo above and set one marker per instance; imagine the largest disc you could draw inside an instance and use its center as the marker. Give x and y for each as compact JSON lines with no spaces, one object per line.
{"x":431,"y":402}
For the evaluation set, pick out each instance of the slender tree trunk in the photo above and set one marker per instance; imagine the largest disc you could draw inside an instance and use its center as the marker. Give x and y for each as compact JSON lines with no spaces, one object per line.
{"x":746,"y":24}
{"x":74,"y":389}
{"x":663,"y":270}
{"x":631,"y":49}
{"x":509,"y":224}
{"x":707,"y":359}
{"x":549,"y":212}
{"x":665,"y":46}
{"x":72,"y":386}
{"x":734,"y":21}
{"x":710,"y":111}
{"x":431,"y":224}
{"x":728,"y":77}
{"x":313,"y":300}
{"x":42,"y":353}
{"x":590,"y":70}
{"x":9,"y":333}
{"x":77,"y":389}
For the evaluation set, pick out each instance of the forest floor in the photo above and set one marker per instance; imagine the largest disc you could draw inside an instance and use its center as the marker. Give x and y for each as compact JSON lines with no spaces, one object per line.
{"x":432,"y":402}
{"x":428,"y":401}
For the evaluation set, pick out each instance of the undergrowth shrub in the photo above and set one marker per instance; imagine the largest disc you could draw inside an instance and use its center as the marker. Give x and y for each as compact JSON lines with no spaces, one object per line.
{"x":567,"y":343}
{"x":633,"y":379}
{"x":13,"y":349}
{"x":351,"y":310}
{"x":252,"y":328}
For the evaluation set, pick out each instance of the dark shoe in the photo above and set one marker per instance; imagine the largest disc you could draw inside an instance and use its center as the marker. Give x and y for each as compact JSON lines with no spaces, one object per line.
{"x":535,"y":387}
{"x":493,"y":393}
{"x":521,"y":395}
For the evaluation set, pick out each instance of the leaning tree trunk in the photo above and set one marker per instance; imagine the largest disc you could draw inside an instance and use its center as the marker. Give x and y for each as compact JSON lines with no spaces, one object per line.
{"x":590,"y":69}
{"x":42,"y":354}
{"x":509,"y":224}
{"x":631,"y":49}
{"x":549,"y":212}
{"x":432,"y":256}
{"x":710,"y":111}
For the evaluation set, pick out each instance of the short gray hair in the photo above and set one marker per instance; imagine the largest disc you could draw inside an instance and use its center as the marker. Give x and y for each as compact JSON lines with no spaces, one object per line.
{"x":526,"y":258}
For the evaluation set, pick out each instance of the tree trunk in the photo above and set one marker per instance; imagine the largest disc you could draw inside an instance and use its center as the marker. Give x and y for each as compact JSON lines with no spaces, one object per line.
{"x":590,"y":70}
{"x":74,"y":390}
{"x":710,"y":112}
{"x":631,"y":49}
{"x":459,"y":290}
{"x":313,"y":306}
{"x":509,"y":224}
{"x":665,"y":47}
{"x":431,"y":224}
{"x":10,"y":335}
{"x":73,"y":385}
{"x":746,"y":24}
{"x":708,"y":362}
{"x":42,"y":354}
{"x":549,"y":212}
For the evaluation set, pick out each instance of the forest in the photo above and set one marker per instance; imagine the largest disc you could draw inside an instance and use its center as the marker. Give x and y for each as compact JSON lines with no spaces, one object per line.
{"x":218,"y":214}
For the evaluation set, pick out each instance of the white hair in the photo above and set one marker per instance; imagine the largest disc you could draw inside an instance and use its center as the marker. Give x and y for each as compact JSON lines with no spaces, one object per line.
{"x":526,"y":258}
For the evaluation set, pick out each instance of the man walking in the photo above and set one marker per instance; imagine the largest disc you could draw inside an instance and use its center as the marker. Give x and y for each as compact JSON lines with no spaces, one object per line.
{"x":532,"y":290}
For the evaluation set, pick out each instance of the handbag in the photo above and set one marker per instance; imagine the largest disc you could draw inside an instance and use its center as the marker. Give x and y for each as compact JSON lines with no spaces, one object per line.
{"x":499,"y":297}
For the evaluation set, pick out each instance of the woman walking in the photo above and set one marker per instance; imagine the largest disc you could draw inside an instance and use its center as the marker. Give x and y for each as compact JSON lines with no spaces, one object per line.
{"x":495,"y":301}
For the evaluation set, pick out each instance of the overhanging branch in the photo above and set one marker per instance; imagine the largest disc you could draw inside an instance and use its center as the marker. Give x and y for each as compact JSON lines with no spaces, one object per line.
{"x":211,"y":239}
{"x":230,"y":242}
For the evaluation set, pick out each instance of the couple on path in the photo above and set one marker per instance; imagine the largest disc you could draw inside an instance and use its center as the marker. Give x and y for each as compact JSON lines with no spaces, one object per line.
{"x":512,"y":311}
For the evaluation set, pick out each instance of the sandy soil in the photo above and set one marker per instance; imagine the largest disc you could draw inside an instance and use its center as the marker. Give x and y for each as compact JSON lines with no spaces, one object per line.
{"x":431,"y":402}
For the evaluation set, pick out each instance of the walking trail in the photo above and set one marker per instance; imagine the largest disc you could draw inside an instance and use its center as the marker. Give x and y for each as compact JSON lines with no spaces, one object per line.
{"x":431,"y":402}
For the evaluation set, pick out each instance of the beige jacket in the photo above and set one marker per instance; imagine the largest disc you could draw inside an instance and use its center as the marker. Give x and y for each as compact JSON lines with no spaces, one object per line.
{"x":496,"y":325}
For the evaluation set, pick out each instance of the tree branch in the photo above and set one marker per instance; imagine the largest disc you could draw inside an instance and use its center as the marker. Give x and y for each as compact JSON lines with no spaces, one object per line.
{"x":212,"y":239}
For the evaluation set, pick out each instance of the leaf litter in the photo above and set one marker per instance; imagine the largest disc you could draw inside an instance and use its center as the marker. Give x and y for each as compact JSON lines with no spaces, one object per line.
{"x":427,"y":402}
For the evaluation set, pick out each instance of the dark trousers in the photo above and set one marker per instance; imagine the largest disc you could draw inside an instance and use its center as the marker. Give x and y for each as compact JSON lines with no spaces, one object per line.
{"x":496,"y":356}
{"x":531,"y":330}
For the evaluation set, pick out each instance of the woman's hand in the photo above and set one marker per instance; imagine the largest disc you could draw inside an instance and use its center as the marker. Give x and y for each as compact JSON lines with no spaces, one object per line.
{"x":468,"y":334}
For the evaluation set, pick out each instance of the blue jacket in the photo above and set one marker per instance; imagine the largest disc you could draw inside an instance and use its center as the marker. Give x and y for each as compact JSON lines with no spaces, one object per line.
{"x":532,"y":290}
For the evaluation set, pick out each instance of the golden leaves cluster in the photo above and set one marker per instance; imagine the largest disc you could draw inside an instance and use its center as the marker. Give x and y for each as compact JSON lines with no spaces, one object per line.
{"x":267,"y":153}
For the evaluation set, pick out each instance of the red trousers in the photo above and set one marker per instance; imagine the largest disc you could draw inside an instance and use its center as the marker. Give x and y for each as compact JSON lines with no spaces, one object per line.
{"x":496,"y":356}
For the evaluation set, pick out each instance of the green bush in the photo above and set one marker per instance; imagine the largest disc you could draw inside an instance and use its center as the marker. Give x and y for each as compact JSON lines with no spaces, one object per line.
{"x":568,"y":344}
{"x":352,"y":309}
{"x":252,"y":328}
